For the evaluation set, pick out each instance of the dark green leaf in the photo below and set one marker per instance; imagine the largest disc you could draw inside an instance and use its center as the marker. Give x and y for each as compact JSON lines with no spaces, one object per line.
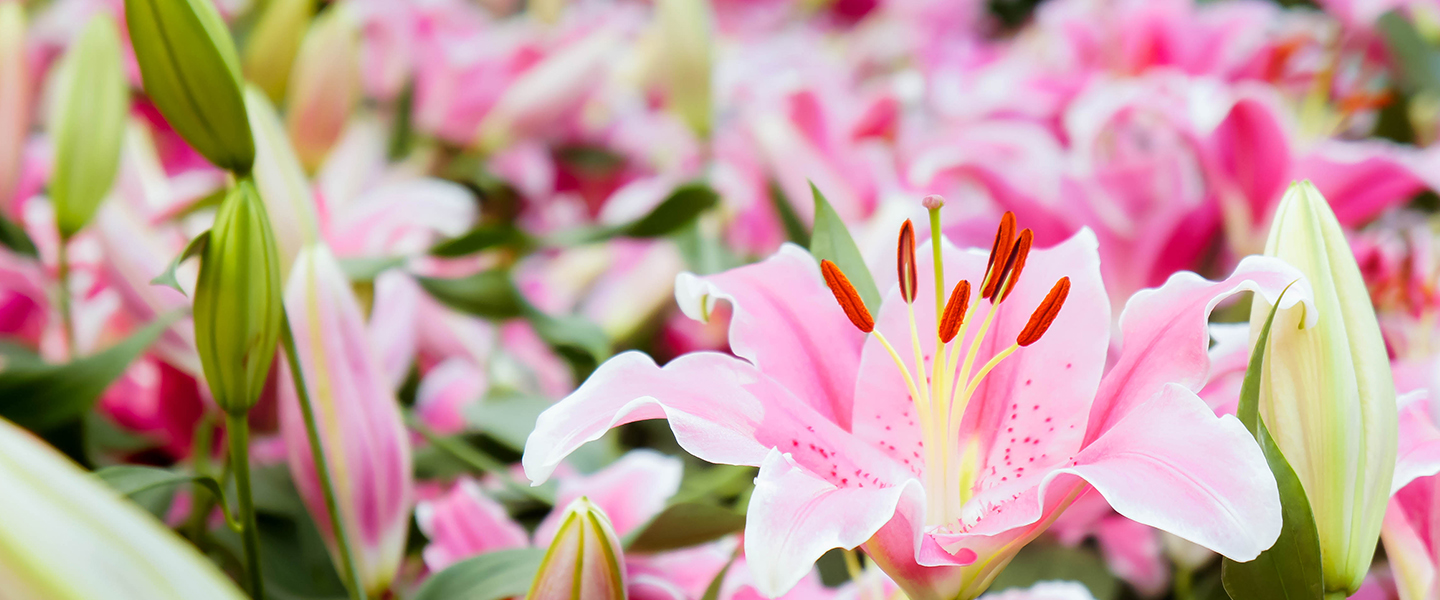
{"x":579,"y":340}
{"x":676,"y":211}
{"x":489,"y":294}
{"x":192,"y":249}
{"x":794,"y":227}
{"x":478,"y":239}
{"x":712,"y":591}
{"x":684,"y":525}
{"x":1051,"y":562}
{"x":369,"y":267}
{"x":39,"y":395}
{"x":13,"y":236}
{"x":490,"y":576}
{"x":1291,"y":568}
{"x":130,"y":480}
{"x":831,"y":241}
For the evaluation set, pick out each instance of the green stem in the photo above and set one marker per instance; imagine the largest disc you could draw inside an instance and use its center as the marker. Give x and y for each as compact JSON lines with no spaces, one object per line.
{"x":67,"y":322}
{"x":201,"y":501}
{"x":1184,"y":584}
{"x":238,"y":430}
{"x":351,"y":575}
{"x":475,"y":459}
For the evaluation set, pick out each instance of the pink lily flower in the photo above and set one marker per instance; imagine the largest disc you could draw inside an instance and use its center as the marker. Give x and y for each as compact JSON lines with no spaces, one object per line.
{"x":942,"y":495}
{"x":358,"y":417}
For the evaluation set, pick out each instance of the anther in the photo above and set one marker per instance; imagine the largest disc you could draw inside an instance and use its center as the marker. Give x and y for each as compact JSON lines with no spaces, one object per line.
{"x":1011,"y":275}
{"x":1044,"y":314}
{"x":846,"y":295}
{"x":905,"y":261}
{"x":1004,"y":238}
{"x":954,"y":315}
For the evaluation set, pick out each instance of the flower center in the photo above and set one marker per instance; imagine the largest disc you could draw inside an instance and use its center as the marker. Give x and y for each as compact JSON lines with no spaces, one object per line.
{"x":942,"y":389}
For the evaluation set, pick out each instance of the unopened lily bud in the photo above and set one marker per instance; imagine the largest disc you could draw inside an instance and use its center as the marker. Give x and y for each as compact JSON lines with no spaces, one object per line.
{"x":683,"y":30}
{"x":324,"y":85}
{"x":366,"y":448}
{"x":1327,"y":393}
{"x":270,"y":49}
{"x":584,"y":561}
{"x":68,"y":537}
{"x":237,"y":301}
{"x":87,"y":123}
{"x":190,"y":70}
{"x":14,"y":96}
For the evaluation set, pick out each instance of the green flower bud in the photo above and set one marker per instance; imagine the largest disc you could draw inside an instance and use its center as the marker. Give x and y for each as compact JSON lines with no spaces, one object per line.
{"x":87,"y":123}
{"x":191,"y":72}
{"x":1326,"y":392}
{"x":270,"y":49}
{"x":237,"y":301}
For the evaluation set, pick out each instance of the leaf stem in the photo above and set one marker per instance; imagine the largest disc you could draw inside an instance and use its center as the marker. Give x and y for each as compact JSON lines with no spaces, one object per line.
{"x":350,"y":574}
{"x":238,"y":430}
{"x":475,"y":459}
{"x":67,"y":322}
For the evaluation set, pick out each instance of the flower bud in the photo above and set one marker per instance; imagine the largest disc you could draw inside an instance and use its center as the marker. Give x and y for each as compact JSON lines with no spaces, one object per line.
{"x":270,"y":49}
{"x":324,"y":86}
{"x":237,"y":301}
{"x":14,"y":97}
{"x":87,"y":123}
{"x":358,"y":418}
{"x":68,"y":537}
{"x":1326,"y":392}
{"x":683,"y":32}
{"x":190,"y":70}
{"x":584,"y":560}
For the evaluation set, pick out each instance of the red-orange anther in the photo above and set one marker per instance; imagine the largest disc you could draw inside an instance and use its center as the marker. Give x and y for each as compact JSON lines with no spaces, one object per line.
{"x":846,"y":295}
{"x":905,"y":261}
{"x":954,"y":315}
{"x":1044,"y":314}
{"x":1004,"y":240}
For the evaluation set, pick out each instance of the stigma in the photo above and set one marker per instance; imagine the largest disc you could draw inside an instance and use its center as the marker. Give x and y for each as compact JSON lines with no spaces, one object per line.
{"x":942,"y":383}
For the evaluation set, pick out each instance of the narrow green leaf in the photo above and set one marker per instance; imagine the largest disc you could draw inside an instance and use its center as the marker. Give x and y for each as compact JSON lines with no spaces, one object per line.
{"x":684,"y":525}
{"x":681,"y":208}
{"x":1417,"y":62}
{"x":712,"y":591}
{"x":794,"y":227}
{"x":1291,"y":568}
{"x":479,"y":239}
{"x":130,"y":480}
{"x":40,"y":396}
{"x":488,"y":294}
{"x":367,"y":268}
{"x":489,"y":576}
{"x":13,"y":236}
{"x":831,"y":241}
{"x":192,"y":249}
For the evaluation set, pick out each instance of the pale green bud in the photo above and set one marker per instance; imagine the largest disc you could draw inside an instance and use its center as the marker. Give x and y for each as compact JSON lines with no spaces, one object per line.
{"x":1327,"y":394}
{"x":190,"y":70}
{"x":584,"y":560}
{"x":683,"y":33}
{"x":324,"y":86}
{"x":14,"y":96}
{"x":238,"y":309}
{"x":87,"y":123}
{"x":65,"y":536}
{"x":270,"y":49}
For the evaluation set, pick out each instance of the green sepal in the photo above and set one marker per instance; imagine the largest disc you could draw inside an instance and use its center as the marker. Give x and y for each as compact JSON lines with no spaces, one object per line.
{"x":192,"y":249}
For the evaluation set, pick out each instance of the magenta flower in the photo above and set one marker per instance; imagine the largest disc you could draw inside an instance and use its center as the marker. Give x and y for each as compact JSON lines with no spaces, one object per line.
{"x":942,"y":473}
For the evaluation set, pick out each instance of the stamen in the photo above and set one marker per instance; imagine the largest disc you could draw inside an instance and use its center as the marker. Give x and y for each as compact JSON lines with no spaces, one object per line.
{"x":1004,"y":238}
{"x":955,"y":310}
{"x":905,"y":261}
{"x":1044,"y":314}
{"x":846,"y":295}
{"x":1005,"y":280}
{"x":1022,"y":251}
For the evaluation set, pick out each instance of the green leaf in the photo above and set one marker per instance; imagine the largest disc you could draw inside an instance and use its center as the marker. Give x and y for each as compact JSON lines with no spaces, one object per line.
{"x":508,"y":417}
{"x":192,"y":249}
{"x":1418,"y":64}
{"x":831,"y":241}
{"x":130,"y":480}
{"x":13,"y":236}
{"x":87,"y":124}
{"x":40,"y":396}
{"x":684,"y":525}
{"x":478,"y":239}
{"x":367,"y":268}
{"x":794,"y":227}
{"x":1290,"y":569}
{"x":1051,"y":562}
{"x":681,"y":208}
{"x":190,"y":70}
{"x":489,"y":576}
{"x":489,"y":294}
{"x":712,"y":591}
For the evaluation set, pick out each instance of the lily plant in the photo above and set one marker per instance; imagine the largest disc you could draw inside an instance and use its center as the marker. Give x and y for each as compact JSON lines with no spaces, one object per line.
{"x":942,"y":441}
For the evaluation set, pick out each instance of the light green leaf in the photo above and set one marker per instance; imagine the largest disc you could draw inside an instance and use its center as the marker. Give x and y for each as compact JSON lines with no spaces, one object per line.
{"x":87,"y":124}
{"x":831,"y":241}
{"x":489,"y":576}
{"x":192,"y":249}
{"x":682,"y":526}
{"x":1417,"y":62}
{"x":130,"y":480}
{"x":190,"y":70}
{"x":40,"y":396}
{"x":367,"y":268}
{"x":1290,"y":569}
